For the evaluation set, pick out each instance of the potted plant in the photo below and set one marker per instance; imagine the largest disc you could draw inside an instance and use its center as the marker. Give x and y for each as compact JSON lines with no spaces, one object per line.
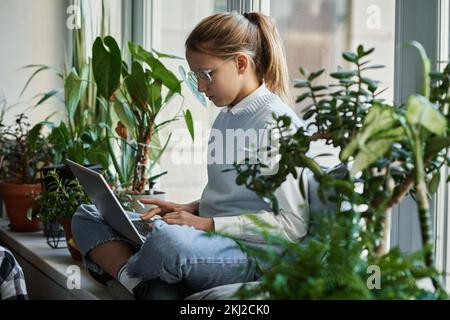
{"x":24,"y":151}
{"x":58,"y":202}
{"x":387,"y":151}
{"x":137,"y":95}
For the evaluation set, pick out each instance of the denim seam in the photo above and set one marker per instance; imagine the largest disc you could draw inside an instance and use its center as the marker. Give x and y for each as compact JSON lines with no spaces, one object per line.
{"x":212,"y":261}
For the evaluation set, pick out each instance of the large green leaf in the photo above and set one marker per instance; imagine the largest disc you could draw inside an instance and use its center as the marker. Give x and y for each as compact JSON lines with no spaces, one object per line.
{"x":165,"y":55}
{"x":426,"y":66}
{"x":106,"y":63}
{"x":371,"y":152}
{"x":125,"y":115}
{"x":33,"y":135}
{"x":420,"y":111}
{"x":74,"y":88}
{"x":436,"y":144}
{"x":137,"y":85}
{"x":155,"y":96}
{"x":379,"y":119}
{"x":159,"y":71}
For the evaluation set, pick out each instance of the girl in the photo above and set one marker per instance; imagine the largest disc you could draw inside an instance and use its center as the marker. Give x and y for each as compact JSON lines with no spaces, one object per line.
{"x":238,"y":62}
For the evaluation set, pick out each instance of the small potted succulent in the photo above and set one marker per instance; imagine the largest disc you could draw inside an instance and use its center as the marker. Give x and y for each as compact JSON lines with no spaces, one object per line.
{"x":23,"y":152}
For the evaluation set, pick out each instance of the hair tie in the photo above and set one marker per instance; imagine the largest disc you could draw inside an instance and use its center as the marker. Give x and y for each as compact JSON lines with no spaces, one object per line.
{"x":247,"y":16}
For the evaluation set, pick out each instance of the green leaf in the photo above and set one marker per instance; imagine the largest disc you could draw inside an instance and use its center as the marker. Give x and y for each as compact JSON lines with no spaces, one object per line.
{"x":40,"y":68}
{"x":302,"y":71}
{"x":30,"y":214}
{"x":74,"y":87}
{"x":33,"y":135}
{"x":301,"y":84}
{"x":309,"y":114}
{"x":362,"y":53}
{"x":436,"y":144}
{"x":434,"y":183}
{"x":48,"y":95}
{"x":155,"y":96}
{"x":136,"y":84}
{"x":159,"y":71}
{"x":165,"y":55}
{"x":168,"y":79}
{"x":420,"y":111}
{"x":106,"y":64}
{"x":350,"y":56}
{"x":124,"y":114}
{"x":379,"y":119}
{"x":425,"y":91}
{"x":189,"y":123}
{"x":88,"y":136}
{"x":343,"y":74}
{"x":372,"y":84}
{"x":302,"y":97}
{"x":371,"y":152}
{"x":315,"y":75}
{"x":375,"y":66}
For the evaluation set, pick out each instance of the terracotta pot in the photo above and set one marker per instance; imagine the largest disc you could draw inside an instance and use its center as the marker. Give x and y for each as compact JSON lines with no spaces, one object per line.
{"x":18,"y":198}
{"x":71,"y":245}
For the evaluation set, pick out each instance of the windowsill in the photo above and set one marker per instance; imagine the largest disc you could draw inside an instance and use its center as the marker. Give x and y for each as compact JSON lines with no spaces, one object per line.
{"x":31,"y":249}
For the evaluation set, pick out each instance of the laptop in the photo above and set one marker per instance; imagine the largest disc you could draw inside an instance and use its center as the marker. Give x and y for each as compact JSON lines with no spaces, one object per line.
{"x":107,"y":204}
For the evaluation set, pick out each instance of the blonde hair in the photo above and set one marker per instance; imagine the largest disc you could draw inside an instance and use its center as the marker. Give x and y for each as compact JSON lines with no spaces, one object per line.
{"x":228,"y":33}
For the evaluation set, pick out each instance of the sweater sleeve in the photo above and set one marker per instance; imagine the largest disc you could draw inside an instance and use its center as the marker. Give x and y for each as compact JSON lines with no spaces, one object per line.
{"x":293,"y":218}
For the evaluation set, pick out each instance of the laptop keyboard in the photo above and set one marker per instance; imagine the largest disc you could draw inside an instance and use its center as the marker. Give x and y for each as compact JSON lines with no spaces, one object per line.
{"x":142,"y":227}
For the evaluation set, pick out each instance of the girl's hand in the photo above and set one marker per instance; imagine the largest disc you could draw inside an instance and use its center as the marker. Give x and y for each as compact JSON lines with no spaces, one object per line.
{"x":188,"y":219}
{"x":164,"y":207}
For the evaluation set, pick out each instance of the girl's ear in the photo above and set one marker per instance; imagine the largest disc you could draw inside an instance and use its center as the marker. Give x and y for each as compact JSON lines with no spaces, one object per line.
{"x":243,"y":62}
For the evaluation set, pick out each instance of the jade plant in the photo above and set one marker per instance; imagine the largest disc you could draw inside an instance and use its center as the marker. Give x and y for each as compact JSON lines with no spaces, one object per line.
{"x":388,"y":151}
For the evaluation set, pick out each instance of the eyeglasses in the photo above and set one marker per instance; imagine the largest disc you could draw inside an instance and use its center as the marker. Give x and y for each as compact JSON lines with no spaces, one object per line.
{"x":205,"y":75}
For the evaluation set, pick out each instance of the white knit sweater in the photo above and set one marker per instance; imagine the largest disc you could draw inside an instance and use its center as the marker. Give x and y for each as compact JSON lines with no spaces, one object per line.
{"x":225,"y":201}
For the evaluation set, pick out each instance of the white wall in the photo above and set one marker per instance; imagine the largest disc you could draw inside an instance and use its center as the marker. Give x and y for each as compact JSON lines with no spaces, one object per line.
{"x":31,"y":32}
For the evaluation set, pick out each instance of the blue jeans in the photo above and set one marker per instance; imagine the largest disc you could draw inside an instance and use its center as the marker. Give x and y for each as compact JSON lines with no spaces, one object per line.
{"x":171,"y":253}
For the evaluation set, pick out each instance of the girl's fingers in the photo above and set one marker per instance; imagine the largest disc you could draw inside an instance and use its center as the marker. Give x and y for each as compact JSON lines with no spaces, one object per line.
{"x":170,"y":220}
{"x":152,"y":201}
{"x":151,"y":213}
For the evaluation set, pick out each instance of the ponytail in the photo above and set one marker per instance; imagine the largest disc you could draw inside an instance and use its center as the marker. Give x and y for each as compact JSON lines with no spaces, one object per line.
{"x":272,"y":55}
{"x":226,"y":34}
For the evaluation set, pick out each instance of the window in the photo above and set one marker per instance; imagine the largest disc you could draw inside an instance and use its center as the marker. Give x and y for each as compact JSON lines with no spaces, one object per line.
{"x":315,"y":33}
{"x":172,"y":22}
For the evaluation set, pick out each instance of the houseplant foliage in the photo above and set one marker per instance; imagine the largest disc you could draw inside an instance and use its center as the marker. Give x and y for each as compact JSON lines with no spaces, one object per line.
{"x":137,"y":94}
{"x":389,"y":151}
{"x":81,"y":135}
{"x":59,"y":202}
{"x":23,"y":152}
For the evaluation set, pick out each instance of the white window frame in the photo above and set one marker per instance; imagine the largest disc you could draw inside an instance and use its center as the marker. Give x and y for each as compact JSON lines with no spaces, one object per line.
{"x":434,"y":36}
{"x":441,"y":201}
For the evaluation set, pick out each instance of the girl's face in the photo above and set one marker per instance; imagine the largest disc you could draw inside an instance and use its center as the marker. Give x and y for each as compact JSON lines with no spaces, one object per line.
{"x":226,"y":80}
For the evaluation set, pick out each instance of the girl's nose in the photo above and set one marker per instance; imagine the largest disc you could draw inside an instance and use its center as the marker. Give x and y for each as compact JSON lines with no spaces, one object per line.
{"x":202,"y":86}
